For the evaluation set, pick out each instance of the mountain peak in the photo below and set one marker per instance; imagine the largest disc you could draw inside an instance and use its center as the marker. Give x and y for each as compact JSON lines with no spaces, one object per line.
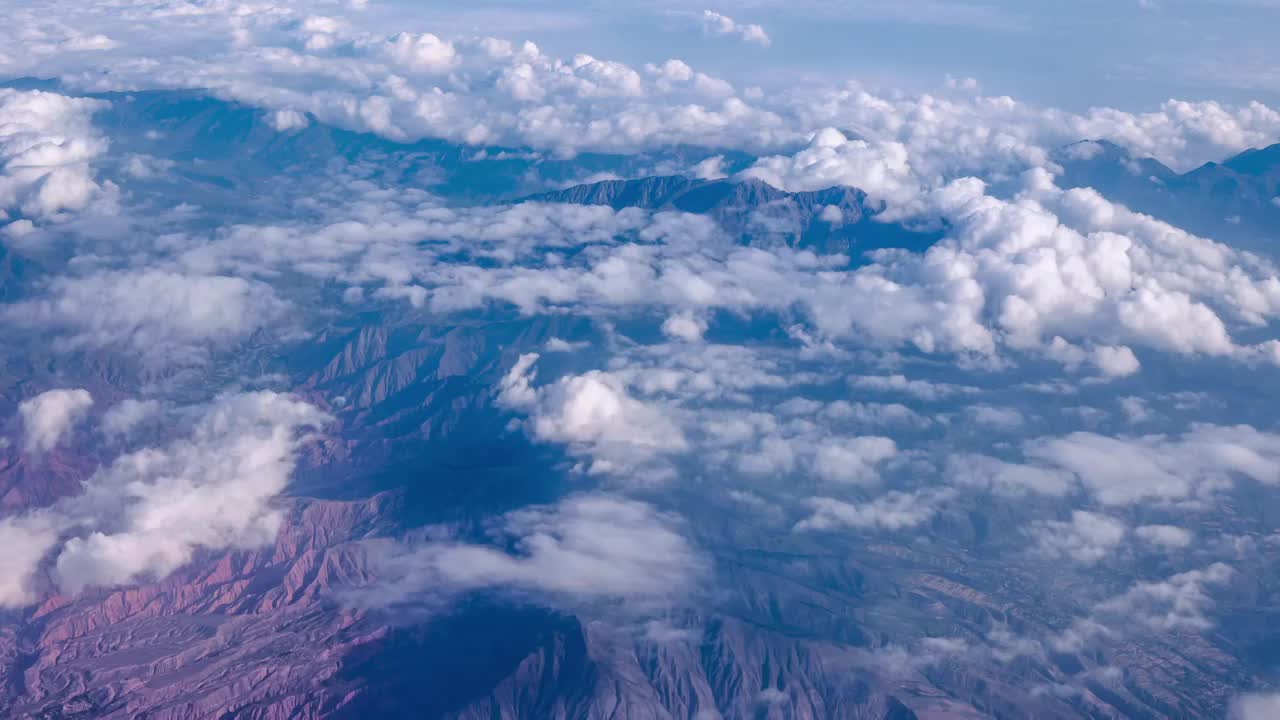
{"x":1256,"y":161}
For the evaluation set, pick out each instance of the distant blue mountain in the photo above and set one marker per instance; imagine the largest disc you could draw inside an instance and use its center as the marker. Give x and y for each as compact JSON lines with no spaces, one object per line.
{"x":1234,"y":201}
{"x":240,"y":155}
{"x":835,"y":219}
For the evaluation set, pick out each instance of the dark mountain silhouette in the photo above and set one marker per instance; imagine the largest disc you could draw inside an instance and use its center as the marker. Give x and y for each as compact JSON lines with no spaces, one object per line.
{"x":1234,"y":201}
{"x":834,"y":219}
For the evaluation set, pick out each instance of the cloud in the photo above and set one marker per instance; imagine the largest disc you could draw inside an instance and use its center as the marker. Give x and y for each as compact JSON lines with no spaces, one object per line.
{"x":684,"y":326}
{"x":1255,"y":706}
{"x":49,"y":416}
{"x":875,"y":414}
{"x":1176,"y":603}
{"x":1165,"y":536}
{"x":1135,"y":409}
{"x":1007,"y":479}
{"x":892,"y":511}
{"x":149,"y":510}
{"x":162,"y":315}
{"x":1064,"y":274}
{"x":1087,"y":538}
{"x":423,"y":53}
{"x":287,"y":120}
{"x":127,"y":415}
{"x":26,"y":540}
{"x":584,"y":548}
{"x":925,"y":390}
{"x":961,"y":83}
{"x":1067,"y":274}
{"x":750,"y":367}
{"x":1111,"y":361}
{"x":713,"y":169}
{"x":1128,"y":470}
{"x":416,"y":82}
{"x":997,"y":418}
{"x":713,"y":23}
{"x":852,"y":460}
{"x":952,"y":136}
{"x":47,"y":145}
{"x":146,"y":513}
{"x":592,"y":413}
{"x":596,"y":408}
{"x":516,"y":388}
{"x":882,"y":169}
{"x":89,"y":42}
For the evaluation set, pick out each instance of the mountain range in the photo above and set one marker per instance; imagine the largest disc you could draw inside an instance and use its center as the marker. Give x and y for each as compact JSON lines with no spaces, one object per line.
{"x":795,"y":626}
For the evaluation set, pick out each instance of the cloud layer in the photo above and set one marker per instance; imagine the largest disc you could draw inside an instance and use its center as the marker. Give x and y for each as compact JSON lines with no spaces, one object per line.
{"x":149,"y":511}
{"x":49,"y":416}
{"x":585,"y":548}
{"x":47,"y":145}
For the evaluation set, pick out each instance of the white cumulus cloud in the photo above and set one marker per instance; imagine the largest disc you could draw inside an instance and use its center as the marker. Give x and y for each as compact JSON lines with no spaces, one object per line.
{"x":49,"y":416}
{"x":714,"y":23}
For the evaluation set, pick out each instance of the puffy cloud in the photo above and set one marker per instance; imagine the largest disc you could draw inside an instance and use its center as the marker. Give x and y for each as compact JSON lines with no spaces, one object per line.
{"x":1087,"y":538}
{"x":125,"y":416}
{"x":1051,"y":268}
{"x":586,"y":547}
{"x":998,"y":418}
{"x":423,"y":53}
{"x":561,"y":345}
{"x":1165,"y":536}
{"x":875,"y":414}
{"x":1255,"y":706}
{"x":1007,"y":479}
{"x":1065,"y":274}
{"x":146,"y":513}
{"x":684,"y":326}
{"x":1135,"y":409}
{"x":149,"y":510}
{"x":321,"y":32}
{"x":26,"y":540}
{"x":882,"y":170}
{"x":516,"y":389}
{"x":952,"y":136}
{"x":713,"y":169}
{"x":165,"y":316}
{"x":852,"y":460}
{"x":1176,"y":603}
{"x":286,"y":120}
{"x":89,"y":42}
{"x":596,"y":408}
{"x":961,"y":83}
{"x":713,"y":23}
{"x":47,"y":142}
{"x":1115,"y":361}
{"x":892,"y":511}
{"x":1124,"y":471}
{"x":1111,"y":361}
{"x":593,"y":413}
{"x":1188,"y":469}
{"x":413,"y":245}
{"x":414,"y":83}
{"x":49,"y":416}
{"x":926,"y":390}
